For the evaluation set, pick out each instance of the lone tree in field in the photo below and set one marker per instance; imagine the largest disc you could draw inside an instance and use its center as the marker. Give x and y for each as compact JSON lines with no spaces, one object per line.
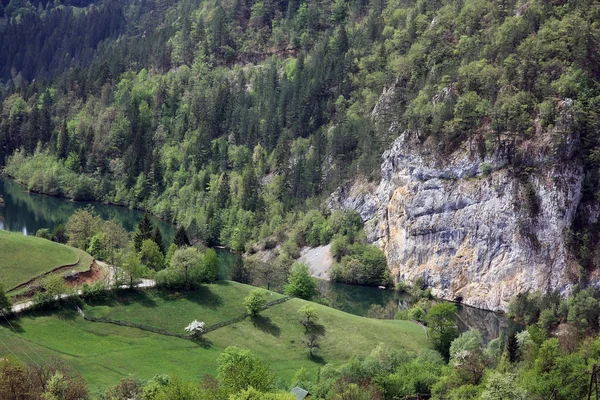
{"x":311,"y":341}
{"x":308,"y":317}
{"x":312,"y":330}
{"x":196,"y":328}
{"x":5,"y":303}
{"x":255,"y":301}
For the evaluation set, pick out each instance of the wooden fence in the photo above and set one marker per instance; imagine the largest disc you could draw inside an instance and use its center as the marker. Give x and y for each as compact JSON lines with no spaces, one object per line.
{"x":165,"y":332}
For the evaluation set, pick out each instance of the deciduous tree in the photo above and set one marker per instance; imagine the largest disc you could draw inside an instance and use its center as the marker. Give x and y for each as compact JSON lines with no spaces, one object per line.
{"x":239,"y":369}
{"x":300,"y":282}
{"x":255,"y":301}
{"x":441,"y":324}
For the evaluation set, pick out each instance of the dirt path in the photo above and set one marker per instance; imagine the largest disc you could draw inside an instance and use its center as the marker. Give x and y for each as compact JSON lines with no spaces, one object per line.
{"x":318,"y":259}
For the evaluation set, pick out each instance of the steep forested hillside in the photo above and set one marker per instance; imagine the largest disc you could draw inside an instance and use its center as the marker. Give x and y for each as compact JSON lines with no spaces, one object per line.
{"x":230,"y":116}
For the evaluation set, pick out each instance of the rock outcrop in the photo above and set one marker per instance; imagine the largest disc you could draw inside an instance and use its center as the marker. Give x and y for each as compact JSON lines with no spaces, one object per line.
{"x":474,"y":229}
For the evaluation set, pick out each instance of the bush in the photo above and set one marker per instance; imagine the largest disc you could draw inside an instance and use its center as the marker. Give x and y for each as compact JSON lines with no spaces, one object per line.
{"x":168,"y":278}
{"x":255,"y":301}
{"x":44,"y":233}
{"x":95,"y":291}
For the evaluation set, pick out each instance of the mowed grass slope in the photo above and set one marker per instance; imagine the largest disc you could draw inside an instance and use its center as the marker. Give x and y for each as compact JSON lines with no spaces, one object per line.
{"x":105,"y":353}
{"x":174,"y":311}
{"x":25,"y":257}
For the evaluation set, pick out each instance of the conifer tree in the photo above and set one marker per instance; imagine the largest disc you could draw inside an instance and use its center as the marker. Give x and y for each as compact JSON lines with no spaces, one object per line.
{"x":512,"y":348}
{"x":144,"y":231}
{"x":181,"y":238}
{"x":158,"y":239}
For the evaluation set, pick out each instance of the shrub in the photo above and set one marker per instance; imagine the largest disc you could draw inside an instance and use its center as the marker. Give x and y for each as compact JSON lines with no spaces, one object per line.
{"x":44,"y":233}
{"x":255,"y":301}
{"x":486,"y":168}
{"x":95,"y":291}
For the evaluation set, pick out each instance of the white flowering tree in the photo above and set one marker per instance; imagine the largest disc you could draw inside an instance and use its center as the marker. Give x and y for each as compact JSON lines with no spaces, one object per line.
{"x":196,"y":328}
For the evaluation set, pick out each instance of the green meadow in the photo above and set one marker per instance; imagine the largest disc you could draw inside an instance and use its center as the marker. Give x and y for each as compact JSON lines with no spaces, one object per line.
{"x":104,"y":353}
{"x":25,"y":257}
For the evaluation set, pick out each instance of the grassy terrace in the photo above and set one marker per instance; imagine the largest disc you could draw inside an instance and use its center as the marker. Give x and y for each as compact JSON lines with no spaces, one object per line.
{"x":26,"y":257}
{"x":104,"y":353}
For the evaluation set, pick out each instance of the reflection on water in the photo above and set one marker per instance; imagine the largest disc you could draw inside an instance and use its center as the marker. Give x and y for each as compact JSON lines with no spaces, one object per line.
{"x":357,"y":300}
{"x":27,"y":212}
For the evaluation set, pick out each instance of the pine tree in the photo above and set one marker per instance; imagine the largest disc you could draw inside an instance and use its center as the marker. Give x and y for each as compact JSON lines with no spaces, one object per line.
{"x":249,"y":189}
{"x":181,"y":238}
{"x":144,"y":231}
{"x":223,"y":191}
{"x":63,"y":141}
{"x":158,"y":239}
{"x":512,"y":348}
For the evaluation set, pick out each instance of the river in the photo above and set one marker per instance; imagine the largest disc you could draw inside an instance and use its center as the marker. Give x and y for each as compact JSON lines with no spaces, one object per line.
{"x":359,"y":299}
{"x":27,"y":212}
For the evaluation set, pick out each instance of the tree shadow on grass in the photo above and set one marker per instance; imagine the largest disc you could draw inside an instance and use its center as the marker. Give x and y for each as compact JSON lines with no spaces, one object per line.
{"x":67,"y":314}
{"x":317,"y":359}
{"x":266,"y":325}
{"x":125,"y":297}
{"x":119,"y":297}
{"x":203,"y":295}
{"x":14,"y":322}
{"x":144,"y":299}
{"x":318,"y":329}
{"x":203,"y":342}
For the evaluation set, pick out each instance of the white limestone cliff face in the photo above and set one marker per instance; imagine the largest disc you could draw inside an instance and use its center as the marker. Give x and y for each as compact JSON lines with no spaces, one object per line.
{"x":465,"y":225}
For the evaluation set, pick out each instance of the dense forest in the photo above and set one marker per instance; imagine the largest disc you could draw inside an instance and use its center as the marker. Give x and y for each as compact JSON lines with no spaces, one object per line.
{"x":231,"y":117}
{"x":235,"y":119}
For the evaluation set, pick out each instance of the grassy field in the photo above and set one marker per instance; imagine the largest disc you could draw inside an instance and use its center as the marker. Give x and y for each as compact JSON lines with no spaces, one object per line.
{"x":174,"y":311}
{"x":105,"y":353}
{"x":25,"y":257}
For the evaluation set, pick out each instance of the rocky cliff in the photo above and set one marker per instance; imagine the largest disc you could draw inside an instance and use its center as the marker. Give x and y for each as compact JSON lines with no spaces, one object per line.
{"x":477,"y":229}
